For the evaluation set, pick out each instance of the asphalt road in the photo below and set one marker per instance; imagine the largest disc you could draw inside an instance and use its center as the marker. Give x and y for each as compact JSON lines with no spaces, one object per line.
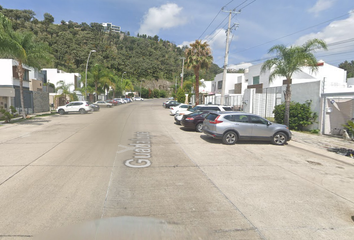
{"x":132,"y":160}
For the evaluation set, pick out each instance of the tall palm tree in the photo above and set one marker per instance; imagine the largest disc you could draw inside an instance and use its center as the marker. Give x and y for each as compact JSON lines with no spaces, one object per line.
{"x":198,"y":57}
{"x":289,"y":61}
{"x":98,"y":76}
{"x":22,"y":47}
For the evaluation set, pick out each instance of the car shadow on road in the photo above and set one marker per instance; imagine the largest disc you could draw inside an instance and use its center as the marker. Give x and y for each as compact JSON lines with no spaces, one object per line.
{"x":219,"y":141}
{"x":187,"y":129}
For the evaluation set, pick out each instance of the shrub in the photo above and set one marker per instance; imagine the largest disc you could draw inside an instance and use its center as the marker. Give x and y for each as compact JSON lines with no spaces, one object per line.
{"x":300,"y":115}
{"x":163,"y":93}
{"x":181,"y":97}
{"x":8,"y":115}
{"x":156,"y":93}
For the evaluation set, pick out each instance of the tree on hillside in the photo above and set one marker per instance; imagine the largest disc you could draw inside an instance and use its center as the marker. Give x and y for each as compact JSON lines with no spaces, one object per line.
{"x":198,"y":57}
{"x":290,"y":60}
{"x":22,"y":47}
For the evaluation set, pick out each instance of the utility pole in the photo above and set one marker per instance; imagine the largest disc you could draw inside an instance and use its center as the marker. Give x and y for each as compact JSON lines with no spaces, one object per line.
{"x":182,"y":74}
{"x":222,"y":100}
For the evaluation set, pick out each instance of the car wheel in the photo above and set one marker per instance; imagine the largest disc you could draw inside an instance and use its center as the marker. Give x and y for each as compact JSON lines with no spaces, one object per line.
{"x":61,"y":111}
{"x":279,"y":138}
{"x":178,"y":122}
{"x":82,"y":111}
{"x":199,"y":127}
{"x":229,"y":138}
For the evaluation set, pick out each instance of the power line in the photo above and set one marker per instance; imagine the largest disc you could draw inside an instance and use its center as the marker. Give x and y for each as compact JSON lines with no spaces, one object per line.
{"x":212,"y":35}
{"x":292,"y":33}
{"x":215,"y":18}
{"x":331,"y":44}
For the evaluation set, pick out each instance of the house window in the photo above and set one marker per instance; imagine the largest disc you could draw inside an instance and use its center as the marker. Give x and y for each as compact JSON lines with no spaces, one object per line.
{"x":255,"y":80}
{"x":26,"y":75}
{"x":220,"y":85}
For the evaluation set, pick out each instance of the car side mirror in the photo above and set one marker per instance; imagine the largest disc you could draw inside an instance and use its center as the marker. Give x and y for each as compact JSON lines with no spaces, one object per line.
{"x":269,"y":123}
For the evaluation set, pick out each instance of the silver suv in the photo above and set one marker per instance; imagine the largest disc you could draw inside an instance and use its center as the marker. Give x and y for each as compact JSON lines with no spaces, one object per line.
{"x":77,"y":106}
{"x":234,"y":126}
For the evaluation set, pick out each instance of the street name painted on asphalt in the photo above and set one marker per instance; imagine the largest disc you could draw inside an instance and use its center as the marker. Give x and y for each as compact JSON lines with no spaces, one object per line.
{"x":141,"y":152}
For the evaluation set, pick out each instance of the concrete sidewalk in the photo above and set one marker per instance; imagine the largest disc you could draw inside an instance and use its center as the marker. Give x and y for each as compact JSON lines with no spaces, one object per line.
{"x":321,"y":141}
{"x":29,"y":116}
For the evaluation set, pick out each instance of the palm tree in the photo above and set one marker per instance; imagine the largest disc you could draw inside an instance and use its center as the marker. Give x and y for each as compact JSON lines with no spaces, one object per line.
{"x":98,"y":76}
{"x":198,"y":57}
{"x":22,"y":47}
{"x":289,"y":61}
{"x":64,"y":89}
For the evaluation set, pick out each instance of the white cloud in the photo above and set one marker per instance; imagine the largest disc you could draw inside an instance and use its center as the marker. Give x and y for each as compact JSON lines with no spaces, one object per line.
{"x":165,"y":17}
{"x":336,"y":31}
{"x":321,"y":5}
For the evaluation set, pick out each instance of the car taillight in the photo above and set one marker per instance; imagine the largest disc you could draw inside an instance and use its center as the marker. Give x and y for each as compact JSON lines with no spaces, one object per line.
{"x":171,"y":108}
{"x":216,"y":121}
{"x":189,"y":118}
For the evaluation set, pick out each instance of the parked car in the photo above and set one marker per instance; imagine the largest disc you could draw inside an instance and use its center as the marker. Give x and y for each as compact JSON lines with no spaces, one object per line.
{"x":95,"y":107}
{"x":203,"y":107}
{"x":234,"y":126}
{"x":139,"y":99}
{"x":76,"y":106}
{"x":194,"y":120}
{"x":114,"y":102}
{"x":104,"y":104}
{"x":164,"y":103}
{"x":171,"y":104}
{"x":128,"y":100}
{"x":174,"y":109}
{"x":120,"y":100}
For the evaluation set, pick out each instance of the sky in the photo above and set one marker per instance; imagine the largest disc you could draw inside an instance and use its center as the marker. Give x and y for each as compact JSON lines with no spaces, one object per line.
{"x":258,"y":24}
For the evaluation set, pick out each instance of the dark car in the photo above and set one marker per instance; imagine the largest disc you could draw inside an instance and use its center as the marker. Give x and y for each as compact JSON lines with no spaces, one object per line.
{"x":194,"y":120}
{"x":171,"y":104}
{"x":95,"y":107}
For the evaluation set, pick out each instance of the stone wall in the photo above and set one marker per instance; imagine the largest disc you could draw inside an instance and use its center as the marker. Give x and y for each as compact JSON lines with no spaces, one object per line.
{"x":40,"y":102}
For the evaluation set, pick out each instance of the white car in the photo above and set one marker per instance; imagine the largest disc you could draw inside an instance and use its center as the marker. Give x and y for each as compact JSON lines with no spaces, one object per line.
{"x":104,"y":104}
{"x":76,"y":106}
{"x":182,"y":106}
{"x":207,"y":107}
{"x":120,"y":100}
{"x":139,"y":99}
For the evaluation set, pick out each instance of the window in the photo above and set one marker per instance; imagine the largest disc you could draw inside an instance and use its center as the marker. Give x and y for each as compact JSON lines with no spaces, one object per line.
{"x":220,"y":85}
{"x":227,"y":108}
{"x":259,"y":120}
{"x":255,"y":80}
{"x":241,"y":118}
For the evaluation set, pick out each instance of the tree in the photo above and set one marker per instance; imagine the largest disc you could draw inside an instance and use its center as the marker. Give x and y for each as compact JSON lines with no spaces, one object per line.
{"x":22,"y":47}
{"x":64,"y":89}
{"x":289,"y":61}
{"x":98,"y":76}
{"x":349,"y":67}
{"x":198,"y":57}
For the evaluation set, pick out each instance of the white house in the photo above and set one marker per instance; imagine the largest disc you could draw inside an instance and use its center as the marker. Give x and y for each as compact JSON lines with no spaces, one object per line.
{"x":10,"y":83}
{"x":54,"y":75}
{"x":333,"y":78}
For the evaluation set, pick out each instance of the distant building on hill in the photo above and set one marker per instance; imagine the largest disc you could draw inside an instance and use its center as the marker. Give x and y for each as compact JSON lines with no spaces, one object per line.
{"x":107,"y":27}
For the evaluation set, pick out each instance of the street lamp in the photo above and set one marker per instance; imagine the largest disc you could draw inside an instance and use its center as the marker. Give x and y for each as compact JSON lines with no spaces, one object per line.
{"x":92,"y":51}
{"x":122,"y":81}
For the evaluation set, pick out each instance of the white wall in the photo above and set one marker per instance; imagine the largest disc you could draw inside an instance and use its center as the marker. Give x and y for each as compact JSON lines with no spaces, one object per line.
{"x":54,"y":76}
{"x":231,"y":80}
{"x":6,"y":77}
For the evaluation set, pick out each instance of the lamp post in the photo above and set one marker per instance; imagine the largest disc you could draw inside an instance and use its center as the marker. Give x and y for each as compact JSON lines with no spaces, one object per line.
{"x":122,"y":82}
{"x":92,"y":51}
